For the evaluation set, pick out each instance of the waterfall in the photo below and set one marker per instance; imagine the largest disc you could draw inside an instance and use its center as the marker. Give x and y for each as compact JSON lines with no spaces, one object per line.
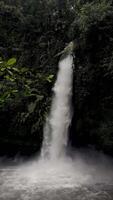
{"x":58,"y":121}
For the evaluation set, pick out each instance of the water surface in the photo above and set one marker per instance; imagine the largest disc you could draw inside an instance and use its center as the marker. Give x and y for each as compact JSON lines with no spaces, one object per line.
{"x":81,"y":178}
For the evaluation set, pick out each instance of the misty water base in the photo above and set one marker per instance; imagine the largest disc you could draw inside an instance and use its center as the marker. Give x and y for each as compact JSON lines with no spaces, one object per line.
{"x":85,"y":176}
{"x":57,"y":174}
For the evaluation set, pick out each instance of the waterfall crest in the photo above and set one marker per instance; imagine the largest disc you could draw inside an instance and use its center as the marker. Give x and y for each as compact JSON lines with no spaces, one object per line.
{"x":58,"y":121}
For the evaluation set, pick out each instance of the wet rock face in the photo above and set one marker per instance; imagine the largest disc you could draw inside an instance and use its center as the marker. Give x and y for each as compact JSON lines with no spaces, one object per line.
{"x":92,"y":93}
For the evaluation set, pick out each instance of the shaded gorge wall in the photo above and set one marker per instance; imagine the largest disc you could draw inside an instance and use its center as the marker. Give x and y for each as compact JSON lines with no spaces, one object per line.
{"x":35,"y":35}
{"x":92,"y":123}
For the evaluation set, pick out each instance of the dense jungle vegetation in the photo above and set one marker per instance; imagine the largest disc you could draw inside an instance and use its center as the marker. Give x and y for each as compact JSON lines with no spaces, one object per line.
{"x":32,"y":33}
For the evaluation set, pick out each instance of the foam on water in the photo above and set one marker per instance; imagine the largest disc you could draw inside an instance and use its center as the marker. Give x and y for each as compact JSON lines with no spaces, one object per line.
{"x":53,"y":180}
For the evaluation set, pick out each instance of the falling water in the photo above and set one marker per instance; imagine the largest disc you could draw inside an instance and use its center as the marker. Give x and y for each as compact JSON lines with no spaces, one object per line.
{"x":58,"y":121}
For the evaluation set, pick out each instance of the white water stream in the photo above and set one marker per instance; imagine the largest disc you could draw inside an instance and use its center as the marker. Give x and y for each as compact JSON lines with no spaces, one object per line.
{"x":57,"y":124}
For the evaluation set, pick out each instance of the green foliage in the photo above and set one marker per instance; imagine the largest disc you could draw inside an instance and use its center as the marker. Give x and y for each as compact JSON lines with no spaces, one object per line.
{"x":92,"y":13}
{"x":18,"y":82}
{"x":89,"y":14}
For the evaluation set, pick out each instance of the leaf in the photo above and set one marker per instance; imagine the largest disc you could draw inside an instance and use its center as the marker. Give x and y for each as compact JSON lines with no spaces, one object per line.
{"x":29,"y":82}
{"x":3,"y":69}
{"x":2,"y":100}
{"x":14,"y":91}
{"x":15,"y":69}
{"x":50,"y":78}
{"x":27,"y":86}
{"x":10,"y":72}
{"x":1,"y":62}
{"x":9,"y":78}
{"x":24,"y":69}
{"x":8,"y":95}
{"x":11,"y":61}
